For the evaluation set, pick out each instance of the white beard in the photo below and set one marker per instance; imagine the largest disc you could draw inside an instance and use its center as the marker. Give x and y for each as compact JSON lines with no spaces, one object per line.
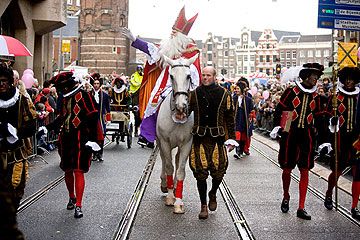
{"x":173,"y":47}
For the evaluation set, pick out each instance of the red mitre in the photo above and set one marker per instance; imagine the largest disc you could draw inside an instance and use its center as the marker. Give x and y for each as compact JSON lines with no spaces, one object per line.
{"x":181,"y":24}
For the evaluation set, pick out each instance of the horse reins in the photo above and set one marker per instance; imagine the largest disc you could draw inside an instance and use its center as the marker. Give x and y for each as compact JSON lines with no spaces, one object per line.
{"x":179,"y":92}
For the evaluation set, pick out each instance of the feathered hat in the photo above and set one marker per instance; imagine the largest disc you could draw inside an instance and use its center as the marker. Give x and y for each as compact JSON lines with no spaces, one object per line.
{"x":349,"y":73}
{"x":63,"y":80}
{"x":182,"y":24}
{"x":309,"y":68}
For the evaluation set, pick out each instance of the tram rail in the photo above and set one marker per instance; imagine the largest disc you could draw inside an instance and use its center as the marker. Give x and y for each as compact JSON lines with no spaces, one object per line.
{"x":241,"y":225}
{"x":341,"y":209}
{"x":33,"y":198}
{"x":123,"y":229}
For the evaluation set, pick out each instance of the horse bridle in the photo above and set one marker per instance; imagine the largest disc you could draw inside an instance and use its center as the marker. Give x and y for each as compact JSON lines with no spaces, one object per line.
{"x":180,"y":92}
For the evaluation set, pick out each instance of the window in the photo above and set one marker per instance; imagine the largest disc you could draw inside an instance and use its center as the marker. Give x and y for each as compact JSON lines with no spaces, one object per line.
{"x":326,"y":53}
{"x":78,"y":3}
{"x":245,"y":58}
{"x":209,"y":57}
{"x":301,"y":53}
{"x":88,"y":19}
{"x":261,"y":58}
{"x":105,"y":20}
{"x":260,"y":70}
{"x":294,"y":63}
{"x":288,"y":54}
{"x":226,"y":54}
{"x":209,"y":47}
{"x":310,"y":53}
{"x":294,"y":54}
{"x":252,"y":58}
{"x":122,"y":20}
{"x":214,"y":54}
{"x":69,"y":2}
{"x":267,"y":58}
{"x":268,"y":46}
{"x":116,"y":50}
{"x":282,"y":56}
{"x":252,"y":69}
{"x":225,"y":45}
{"x":245,"y":70}
{"x":318,"y":53}
{"x":288,"y":64}
{"x":268,"y":71}
{"x":245,"y":46}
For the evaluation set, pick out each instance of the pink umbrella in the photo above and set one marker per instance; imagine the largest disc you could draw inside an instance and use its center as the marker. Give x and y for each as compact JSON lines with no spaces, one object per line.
{"x":12,"y":47}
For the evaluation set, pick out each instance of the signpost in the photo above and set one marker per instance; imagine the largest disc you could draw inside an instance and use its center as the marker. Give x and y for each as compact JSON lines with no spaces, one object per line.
{"x":339,"y":14}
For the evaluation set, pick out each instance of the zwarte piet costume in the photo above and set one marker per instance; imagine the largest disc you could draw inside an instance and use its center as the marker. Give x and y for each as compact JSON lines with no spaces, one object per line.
{"x":80,"y":135}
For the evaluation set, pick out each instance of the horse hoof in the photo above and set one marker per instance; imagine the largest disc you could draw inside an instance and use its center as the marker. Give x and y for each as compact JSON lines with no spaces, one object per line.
{"x":179,"y":209}
{"x":169,"y":201}
{"x":164,"y":189}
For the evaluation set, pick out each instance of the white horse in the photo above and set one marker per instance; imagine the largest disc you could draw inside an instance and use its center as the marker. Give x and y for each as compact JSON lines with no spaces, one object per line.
{"x":173,"y":130}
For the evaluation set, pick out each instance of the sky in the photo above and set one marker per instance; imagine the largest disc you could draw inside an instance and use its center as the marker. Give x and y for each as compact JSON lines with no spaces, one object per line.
{"x":154,"y":18}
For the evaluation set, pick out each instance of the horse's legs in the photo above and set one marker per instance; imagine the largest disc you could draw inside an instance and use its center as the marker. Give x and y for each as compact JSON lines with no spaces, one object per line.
{"x":163,"y":186}
{"x":168,"y":169}
{"x":182,"y":154}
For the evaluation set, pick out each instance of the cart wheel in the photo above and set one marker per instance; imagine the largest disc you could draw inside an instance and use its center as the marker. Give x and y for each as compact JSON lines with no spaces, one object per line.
{"x":129,"y":136}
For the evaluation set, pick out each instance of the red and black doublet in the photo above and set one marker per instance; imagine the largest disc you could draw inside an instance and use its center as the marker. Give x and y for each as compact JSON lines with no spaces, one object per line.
{"x":297,"y":145}
{"x":347,"y":134}
{"x":80,"y":124}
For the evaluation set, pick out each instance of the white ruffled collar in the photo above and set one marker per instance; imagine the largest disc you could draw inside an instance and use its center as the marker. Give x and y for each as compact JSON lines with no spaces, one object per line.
{"x":341,"y":89}
{"x":10,"y":102}
{"x":119,"y":90}
{"x":312,"y":90}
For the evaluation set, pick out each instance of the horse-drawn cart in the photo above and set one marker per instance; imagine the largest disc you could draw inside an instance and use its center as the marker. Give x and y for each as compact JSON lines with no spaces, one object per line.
{"x":120,"y":128}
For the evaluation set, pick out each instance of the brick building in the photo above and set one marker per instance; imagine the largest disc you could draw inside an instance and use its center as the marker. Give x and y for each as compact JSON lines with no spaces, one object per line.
{"x":31,"y":22}
{"x":102,"y":46}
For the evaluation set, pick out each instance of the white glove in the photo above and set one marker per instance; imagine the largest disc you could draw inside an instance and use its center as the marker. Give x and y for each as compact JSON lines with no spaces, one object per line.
{"x":128,"y":34}
{"x":94,"y":146}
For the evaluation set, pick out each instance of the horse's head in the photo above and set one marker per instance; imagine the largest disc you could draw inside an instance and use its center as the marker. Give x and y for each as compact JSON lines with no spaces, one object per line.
{"x":180,"y":77}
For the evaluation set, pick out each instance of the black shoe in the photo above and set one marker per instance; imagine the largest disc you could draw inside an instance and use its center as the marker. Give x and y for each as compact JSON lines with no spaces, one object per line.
{"x":78,"y":213}
{"x":301,"y":213}
{"x":100,"y":159}
{"x":285,"y":205}
{"x":142,"y":141}
{"x":355,"y":213}
{"x":247,"y":153}
{"x":328,"y":203}
{"x":71,"y":204}
{"x":236,"y":156}
{"x":150,"y":145}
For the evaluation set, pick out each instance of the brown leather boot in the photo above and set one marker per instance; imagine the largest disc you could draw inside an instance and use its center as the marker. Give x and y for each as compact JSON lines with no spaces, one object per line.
{"x":212,"y":202}
{"x":204,"y":214}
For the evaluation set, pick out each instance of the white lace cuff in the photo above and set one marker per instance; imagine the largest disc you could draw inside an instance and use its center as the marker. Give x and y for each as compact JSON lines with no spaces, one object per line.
{"x":231,"y":142}
{"x":94,"y":146}
{"x":332,"y":128}
{"x":274,"y":133}
{"x":154,"y":53}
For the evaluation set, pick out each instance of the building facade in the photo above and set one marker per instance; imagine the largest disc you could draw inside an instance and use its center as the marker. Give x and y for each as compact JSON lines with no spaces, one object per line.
{"x":102,"y":46}
{"x":31,"y":22}
{"x":267,"y":52}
